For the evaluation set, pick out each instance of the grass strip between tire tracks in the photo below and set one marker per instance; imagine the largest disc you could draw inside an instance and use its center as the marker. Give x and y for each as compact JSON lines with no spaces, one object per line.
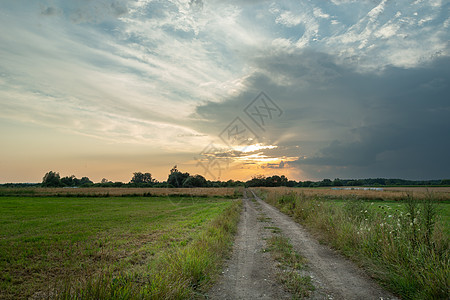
{"x":290,"y":266}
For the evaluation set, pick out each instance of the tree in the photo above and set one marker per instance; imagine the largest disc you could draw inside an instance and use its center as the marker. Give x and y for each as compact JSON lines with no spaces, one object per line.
{"x":51,"y":179}
{"x":326,"y":182}
{"x":307,"y":183}
{"x":275,"y":180}
{"x":195,"y":181}
{"x":85,"y":181}
{"x":139,"y":178}
{"x":70,"y":181}
{"x":291,"y":183}
{"x":177,"y":178}
{"x":257,"y":180}
{"x":445,"y":182}
{"x":337,"y":182}
{"x":357,"y":182}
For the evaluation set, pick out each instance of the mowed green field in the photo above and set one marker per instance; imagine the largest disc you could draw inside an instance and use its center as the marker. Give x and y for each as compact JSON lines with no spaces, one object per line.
{"x":47,"y":243}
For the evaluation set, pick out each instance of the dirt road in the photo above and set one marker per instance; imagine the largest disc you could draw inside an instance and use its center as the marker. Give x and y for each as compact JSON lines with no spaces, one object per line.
{"x":250,"y":273}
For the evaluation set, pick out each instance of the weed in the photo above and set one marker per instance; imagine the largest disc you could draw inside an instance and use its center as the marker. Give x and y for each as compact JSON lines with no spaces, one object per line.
{"x":298,"y":285}
{"x":274,"y":229}
{"x":263,"y":218}
{"x":429,"y":216}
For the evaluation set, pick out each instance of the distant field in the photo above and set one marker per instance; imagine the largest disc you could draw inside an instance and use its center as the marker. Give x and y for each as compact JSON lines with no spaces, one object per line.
{"x":387,"y":194}
{"x":101,"y":191}
{"x":45,"y":243}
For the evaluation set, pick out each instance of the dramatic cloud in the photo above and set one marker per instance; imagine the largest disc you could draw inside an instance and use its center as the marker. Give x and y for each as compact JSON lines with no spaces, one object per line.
{"x":350,"y":124}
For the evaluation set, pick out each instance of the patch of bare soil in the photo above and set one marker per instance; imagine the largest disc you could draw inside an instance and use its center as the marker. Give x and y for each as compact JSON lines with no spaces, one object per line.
{"x":250,"y":273}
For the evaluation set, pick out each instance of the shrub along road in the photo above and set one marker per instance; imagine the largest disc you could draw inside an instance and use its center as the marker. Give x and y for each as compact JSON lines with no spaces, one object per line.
{"x":251,"y":273}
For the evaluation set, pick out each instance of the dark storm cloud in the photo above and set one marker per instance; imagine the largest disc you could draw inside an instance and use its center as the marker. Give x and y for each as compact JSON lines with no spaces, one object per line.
{"x":50,"y":11}
{"x":280,"y":165}
{"x":393,"y":123}
{"x":95,"y":11}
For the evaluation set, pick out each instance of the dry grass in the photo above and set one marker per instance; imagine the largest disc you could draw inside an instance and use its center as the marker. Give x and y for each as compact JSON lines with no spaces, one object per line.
{"x":388,"y":194}
{"x":100,"y":191}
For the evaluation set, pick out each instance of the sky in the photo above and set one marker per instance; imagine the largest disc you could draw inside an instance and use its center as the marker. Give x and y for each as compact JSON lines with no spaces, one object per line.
{"x":225,"y":89}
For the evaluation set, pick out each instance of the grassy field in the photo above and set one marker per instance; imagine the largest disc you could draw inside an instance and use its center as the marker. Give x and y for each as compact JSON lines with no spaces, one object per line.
{"x":112,"y":247}
{"x":404,"y":244}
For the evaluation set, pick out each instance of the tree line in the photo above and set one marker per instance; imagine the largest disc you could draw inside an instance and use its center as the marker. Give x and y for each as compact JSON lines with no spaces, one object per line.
{"x":179,"y":179}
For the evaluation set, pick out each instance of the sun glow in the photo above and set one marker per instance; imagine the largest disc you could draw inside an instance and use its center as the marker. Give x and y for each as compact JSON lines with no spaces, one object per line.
{"x":255,"y":147}
{"x":258,"y":157}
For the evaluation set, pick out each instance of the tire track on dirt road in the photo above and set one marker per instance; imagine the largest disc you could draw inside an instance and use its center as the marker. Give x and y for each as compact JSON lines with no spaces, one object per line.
{"x":334,"y":276}
{"x":250,"y":273}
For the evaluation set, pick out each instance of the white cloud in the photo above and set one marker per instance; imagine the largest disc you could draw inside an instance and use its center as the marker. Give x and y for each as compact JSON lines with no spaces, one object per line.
{"x":390,"y":34}
{"x":424,"y":20}
{"x":377,"y":11}
{"x":320,"y":14}
{"x":283,"y":45}
{"x":139,"y":82}
{"x":387,"y":31}
{"x":288,"y":19}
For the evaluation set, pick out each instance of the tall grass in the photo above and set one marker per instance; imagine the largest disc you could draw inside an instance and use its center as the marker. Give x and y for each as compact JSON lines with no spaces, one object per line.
{"x":180,"y":273}
{"x":407,"y":249}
